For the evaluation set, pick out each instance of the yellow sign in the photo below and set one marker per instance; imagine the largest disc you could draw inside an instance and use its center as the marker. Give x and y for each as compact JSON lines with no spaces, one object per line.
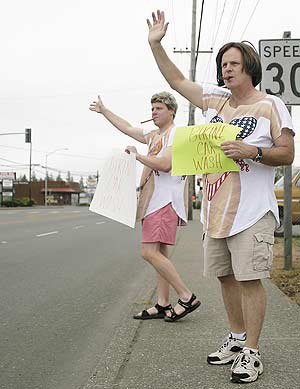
{"x":196,"y":149}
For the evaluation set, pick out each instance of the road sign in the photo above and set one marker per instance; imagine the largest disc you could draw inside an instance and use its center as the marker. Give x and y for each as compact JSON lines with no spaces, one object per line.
{"x":280,"y":60}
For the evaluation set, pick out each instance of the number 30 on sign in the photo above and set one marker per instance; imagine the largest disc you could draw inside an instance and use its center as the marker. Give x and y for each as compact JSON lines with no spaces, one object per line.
{"x":280,"y":60}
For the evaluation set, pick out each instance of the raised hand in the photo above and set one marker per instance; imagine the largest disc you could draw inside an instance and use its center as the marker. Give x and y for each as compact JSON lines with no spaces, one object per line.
{"x":158,"y":27}
{"x":97,"y":106}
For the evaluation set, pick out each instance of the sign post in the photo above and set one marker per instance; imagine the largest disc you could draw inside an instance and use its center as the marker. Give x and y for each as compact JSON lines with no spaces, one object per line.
{"x":280,"y":59}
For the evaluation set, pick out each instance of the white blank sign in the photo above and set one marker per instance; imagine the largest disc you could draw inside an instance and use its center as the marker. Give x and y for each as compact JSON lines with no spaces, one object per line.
{"x":115,"y":195}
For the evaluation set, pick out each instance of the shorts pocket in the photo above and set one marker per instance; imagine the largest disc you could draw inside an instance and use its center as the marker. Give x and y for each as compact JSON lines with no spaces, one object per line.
{"x":263,"y":251}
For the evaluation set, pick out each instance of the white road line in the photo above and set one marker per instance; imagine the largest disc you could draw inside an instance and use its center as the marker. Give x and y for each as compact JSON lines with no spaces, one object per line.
{"x":76,"y":227}
{"x":47,"y":233}
{"x":100,"y":222}
{"x":34,"y":212}
{"x":54,"y":212}
{"x":75,"y":211}
{"x":4,"y":241}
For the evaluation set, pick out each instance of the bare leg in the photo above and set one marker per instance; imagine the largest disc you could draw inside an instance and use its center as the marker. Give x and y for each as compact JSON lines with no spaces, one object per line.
{"x":151,"y":252}
{"x":231,"y":291}
{"x":254,"y":308}
{"x":163,"y":286}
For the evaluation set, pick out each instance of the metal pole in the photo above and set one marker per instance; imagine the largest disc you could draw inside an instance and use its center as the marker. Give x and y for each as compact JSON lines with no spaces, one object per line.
{"x":46,"y":168}
{"x":287,"y":212}
{"x":287,"y":215}
{"x":30,"y":173}
{"x":46,"y":180}
{"x":192,"y":77}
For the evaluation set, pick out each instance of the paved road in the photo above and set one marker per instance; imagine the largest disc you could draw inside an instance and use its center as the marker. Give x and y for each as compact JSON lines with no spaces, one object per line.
{"x":62,"y":293}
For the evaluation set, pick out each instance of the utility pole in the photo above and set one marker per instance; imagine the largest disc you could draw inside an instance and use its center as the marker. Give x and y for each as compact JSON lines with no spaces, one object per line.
{"x":192,"y":77}
{"x":28,"y":140}
{"x":287,"y":213}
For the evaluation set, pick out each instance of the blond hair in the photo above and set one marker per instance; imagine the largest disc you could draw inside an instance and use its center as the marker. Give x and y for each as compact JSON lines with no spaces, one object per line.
{"x":167,"y":99}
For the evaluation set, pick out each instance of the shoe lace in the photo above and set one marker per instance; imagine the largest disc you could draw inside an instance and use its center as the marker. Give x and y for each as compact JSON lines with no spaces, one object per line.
{"x":242,"y":359}
{"x":225,"y":343}
{"x":245,"y":360}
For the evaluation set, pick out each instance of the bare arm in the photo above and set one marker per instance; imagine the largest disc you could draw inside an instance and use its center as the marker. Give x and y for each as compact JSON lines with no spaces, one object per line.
{"x":189,"y":89}
{"x":121,"y":124}
{"x":281,"y":154}
{"x":163,"y":163}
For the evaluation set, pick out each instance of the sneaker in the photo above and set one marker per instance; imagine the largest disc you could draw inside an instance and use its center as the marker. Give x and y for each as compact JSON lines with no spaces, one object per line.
{"x":246,"y":367}
{"x":227,"y":352}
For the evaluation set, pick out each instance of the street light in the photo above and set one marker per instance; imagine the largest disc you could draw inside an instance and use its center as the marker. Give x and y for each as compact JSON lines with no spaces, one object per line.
{"x":46,"y":176}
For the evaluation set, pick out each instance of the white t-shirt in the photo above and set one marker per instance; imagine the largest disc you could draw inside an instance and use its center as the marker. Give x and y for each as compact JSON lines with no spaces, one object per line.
{"x":167,"y":188}
{"x":234,"y":201}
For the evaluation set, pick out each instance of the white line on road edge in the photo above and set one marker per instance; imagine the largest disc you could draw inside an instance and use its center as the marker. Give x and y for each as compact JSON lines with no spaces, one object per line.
{"x":34,"y":212}
{"x":47,"y":233}
{"x":3,"y":241}
{"x":76,"y":227}
{"x":75,"y":211}
{"x":100,"y":223}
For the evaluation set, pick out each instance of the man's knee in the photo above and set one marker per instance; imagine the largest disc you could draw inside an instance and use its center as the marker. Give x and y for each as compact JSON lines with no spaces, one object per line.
{"x":251,"y":284}
{"x":146,"y":253}
{"x":229,"y":279}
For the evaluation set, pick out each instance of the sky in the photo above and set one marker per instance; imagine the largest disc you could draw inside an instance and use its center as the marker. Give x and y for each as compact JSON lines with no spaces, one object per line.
{"x":57,"y":56}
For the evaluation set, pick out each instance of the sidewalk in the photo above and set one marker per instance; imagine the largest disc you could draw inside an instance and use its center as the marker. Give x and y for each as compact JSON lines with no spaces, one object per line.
{"x":160,"y":355}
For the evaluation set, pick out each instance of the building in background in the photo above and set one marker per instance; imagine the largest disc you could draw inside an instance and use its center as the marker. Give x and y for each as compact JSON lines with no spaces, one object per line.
{"x":59,"y":192}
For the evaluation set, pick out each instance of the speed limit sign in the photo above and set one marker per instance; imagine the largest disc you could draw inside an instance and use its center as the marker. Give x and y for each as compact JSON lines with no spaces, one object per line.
{"x":280,"y":60}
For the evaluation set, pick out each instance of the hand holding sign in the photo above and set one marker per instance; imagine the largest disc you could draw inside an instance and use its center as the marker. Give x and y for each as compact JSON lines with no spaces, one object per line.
{"x":197,"y":149}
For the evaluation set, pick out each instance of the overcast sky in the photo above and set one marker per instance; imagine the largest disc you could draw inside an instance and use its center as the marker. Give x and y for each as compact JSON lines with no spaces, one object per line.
{"x":57,"y":55}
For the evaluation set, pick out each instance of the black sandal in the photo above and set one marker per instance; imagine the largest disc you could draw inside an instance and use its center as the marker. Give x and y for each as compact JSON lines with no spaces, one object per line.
{"x":188,"y":308}
{"x":161,"y":312}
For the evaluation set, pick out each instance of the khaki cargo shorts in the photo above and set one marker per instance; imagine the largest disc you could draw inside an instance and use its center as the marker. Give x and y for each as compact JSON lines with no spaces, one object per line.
{"x":248,"y":255}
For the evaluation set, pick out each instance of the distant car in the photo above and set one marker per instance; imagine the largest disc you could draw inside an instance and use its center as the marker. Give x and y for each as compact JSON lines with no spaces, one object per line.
{"x":279,"y":193}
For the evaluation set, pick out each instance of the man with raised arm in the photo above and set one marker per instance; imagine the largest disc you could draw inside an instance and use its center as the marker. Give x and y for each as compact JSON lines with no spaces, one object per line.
{"x":239,"y":209}
{"x":161,"y":206}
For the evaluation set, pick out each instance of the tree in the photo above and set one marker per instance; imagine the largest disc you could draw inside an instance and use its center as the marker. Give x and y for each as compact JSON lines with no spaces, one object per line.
{"x":59,"y":178}
{"x":33,"y":177}
{"x":23,"y":178}
{"x":69,"y":177}
{"x":81,"y":183}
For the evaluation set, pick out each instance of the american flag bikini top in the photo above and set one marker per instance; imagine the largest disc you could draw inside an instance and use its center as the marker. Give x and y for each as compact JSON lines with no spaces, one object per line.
{"x":247,"y":125}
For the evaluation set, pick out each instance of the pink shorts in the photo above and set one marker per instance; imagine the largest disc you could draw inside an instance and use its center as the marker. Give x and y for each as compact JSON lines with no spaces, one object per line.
{"x":160,"y":226}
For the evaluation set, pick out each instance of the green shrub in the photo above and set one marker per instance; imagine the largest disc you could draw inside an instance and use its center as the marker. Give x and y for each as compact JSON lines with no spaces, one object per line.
{"x":197,"y":204}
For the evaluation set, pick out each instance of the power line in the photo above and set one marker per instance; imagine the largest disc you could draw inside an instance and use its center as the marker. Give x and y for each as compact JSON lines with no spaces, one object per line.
{"x":224,"y":4}
{"x":199,"y":34}
{"x":236,"y":13}
{"x":45,"y":152}
{"x":249,"y":19}
{"x":231,"y":18}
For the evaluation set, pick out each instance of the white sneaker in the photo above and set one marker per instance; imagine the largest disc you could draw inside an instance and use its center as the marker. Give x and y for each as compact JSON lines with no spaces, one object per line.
{"x":246,"y":367}
{"x":227,"y":352}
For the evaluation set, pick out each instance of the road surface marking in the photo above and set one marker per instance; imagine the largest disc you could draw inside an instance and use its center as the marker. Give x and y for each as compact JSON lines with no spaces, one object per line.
{"x":47,"y":233}
{"x":76,"y":227}
{"x":3,"y":241}
{"x":100,"y":222}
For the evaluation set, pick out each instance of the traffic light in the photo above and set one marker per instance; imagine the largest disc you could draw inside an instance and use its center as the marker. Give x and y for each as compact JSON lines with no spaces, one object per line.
{"x":27,"y":135}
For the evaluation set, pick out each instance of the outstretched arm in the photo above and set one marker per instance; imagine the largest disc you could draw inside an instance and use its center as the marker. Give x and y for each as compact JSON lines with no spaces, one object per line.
{"x":189,"y":89}
{"x":117,"y":121}
{"x":163,"y":163}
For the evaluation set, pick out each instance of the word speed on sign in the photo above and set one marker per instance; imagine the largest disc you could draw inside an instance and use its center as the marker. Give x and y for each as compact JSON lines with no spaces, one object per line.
{"x":280,"y":60}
